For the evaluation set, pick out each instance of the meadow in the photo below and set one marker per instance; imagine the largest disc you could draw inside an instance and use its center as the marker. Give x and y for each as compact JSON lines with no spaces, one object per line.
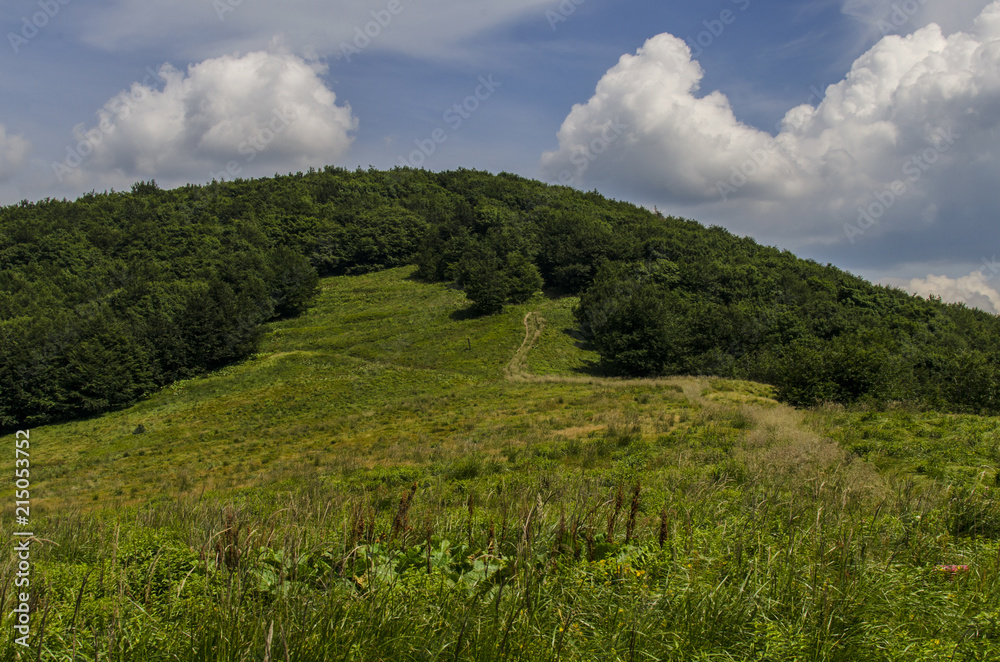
{"x":392,"y":477}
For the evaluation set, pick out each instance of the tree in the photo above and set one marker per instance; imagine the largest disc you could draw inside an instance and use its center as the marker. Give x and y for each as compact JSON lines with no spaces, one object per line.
{"x":292,"y":282}
{"x":485,"y":281}
{"x":523,"y":279}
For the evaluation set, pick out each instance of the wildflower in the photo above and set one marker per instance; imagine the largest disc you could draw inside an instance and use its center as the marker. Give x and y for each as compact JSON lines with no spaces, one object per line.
{"x":953,"y":568}
{"x":951,"y":571}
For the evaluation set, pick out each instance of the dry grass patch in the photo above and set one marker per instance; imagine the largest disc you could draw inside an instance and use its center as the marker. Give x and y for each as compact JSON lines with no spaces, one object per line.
{"x":778,"y":448}
{"x":580,"y":430}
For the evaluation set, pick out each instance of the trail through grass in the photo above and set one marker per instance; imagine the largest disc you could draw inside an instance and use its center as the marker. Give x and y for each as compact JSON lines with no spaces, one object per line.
{"x":391,"y":479}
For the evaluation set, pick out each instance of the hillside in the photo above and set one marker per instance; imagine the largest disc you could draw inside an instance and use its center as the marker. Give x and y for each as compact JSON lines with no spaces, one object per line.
{"x":392,"y":477}
{"x":111,"y":297}
{"x":381,"y":374}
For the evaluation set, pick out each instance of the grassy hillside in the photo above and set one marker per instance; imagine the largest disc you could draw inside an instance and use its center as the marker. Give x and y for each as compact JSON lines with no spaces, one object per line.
{"x":384,"y":371}
{"x":111,"y":297}
{"x":393,"y":478}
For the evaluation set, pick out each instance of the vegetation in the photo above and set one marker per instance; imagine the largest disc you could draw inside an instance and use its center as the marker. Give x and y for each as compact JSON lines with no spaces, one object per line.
{"x":340,"y":423}
{"x":108,"y":298}
{"x":369,"y":486}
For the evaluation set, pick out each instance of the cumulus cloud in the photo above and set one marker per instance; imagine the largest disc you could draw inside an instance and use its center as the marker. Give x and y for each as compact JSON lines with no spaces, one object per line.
{"x":907,"y":142}
{"x":884,"y":17}
{"x":978,"y":289}
{"x":14,"y":151}
{"x":645,"y":123}
{"x":436,"y":29}
{"x":225,"y":117}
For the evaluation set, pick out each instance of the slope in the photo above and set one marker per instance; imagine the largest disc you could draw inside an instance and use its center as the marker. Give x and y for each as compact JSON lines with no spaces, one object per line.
{"x":108,"y":298}
{"x":374,"y":484}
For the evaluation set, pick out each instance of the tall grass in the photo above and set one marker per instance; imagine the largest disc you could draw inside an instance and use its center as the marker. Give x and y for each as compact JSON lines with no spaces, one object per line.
{"x":563,"y":568}
{"x":380,"y":492}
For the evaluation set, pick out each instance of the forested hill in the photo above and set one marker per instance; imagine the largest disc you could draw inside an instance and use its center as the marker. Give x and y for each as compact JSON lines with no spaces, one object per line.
{"x":109,"y":297}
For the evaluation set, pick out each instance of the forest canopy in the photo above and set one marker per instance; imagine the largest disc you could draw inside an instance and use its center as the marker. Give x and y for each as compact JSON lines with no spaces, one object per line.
{"x":109,"y":297}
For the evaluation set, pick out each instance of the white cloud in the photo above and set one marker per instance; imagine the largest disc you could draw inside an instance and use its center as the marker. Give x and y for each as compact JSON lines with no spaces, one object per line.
{"x":883,"y":17}
{"x":257,"y":114}
{"x":645,"y":123}
{"x":433,"y":28}
{"x":14,"y":151}
{"x":920,"y":112}
{"x":976,"y":289}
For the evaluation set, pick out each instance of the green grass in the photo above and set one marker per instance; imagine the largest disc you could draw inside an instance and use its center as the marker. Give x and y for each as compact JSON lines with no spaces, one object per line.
{"x":562,"y":349}
{"x":381,"y":371}
{"x":371,"y":486}
{"x":957,"y":448}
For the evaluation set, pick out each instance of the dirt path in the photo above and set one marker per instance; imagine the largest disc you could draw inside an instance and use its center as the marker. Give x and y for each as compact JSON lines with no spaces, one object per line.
{"x":779,"y":445}
{"x":534,"y":325}
{"x":517,"y":369}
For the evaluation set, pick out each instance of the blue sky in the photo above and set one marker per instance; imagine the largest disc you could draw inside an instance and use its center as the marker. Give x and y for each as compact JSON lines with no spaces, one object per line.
{"x":860,"y":132}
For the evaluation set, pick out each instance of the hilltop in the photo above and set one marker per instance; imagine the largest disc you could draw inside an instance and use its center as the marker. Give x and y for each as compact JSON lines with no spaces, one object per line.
{"x":108,"y":298}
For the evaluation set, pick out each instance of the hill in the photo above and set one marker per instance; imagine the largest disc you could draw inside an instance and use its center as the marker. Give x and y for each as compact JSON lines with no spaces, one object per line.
{"x":391,"y":477}
{"x":108,"y":298}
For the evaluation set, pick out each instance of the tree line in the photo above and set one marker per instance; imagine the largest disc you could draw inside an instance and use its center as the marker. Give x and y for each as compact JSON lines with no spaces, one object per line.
{"x":106,"y":298}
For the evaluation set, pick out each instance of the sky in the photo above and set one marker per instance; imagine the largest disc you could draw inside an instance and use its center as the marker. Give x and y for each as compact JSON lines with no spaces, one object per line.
{"x":863,"y":133}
